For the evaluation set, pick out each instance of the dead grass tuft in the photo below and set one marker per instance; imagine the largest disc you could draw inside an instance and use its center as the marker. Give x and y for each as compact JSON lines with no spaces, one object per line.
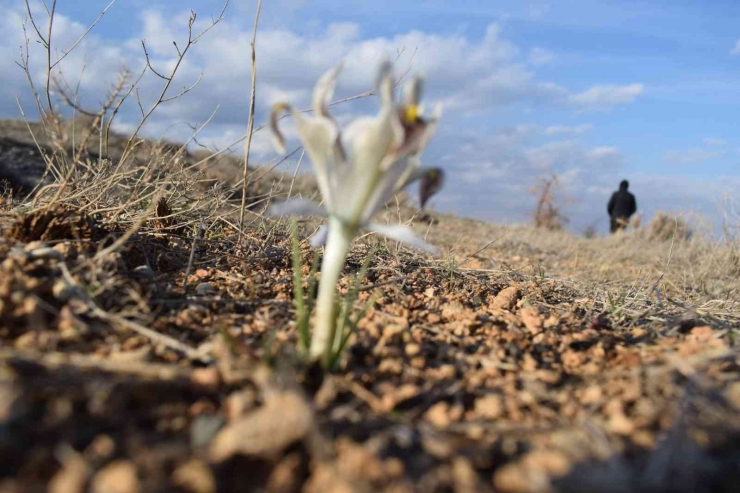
{"x":667,"y":226}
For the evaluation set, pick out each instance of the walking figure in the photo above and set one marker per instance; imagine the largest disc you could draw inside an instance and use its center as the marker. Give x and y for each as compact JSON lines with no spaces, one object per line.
{"x":621,"y":206}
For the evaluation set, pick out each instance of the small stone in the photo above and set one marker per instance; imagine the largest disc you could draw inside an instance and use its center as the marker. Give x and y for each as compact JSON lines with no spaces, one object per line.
{"x":555,"y":464}
{"x":117,"y":477}
{"x":489,"y":407}
{"x":71,"y":477}
{"x":507,"y":298}
{"x":592,"y":395}
{"x":34,"y":245}
{"x":68,"y":250}
{"x":144,"y":271}
{"x":207,"y":377}
{"x":45,"y":253}
{"x":206,"y":289}
{"x":464,"y":476}
{"x":412,"y":349}
{"x":439,"y":415}
{"x":285,"y":418}
{"x":514,"y":478}
{"x":64,"y":292}
{"x":620,"y":424}
{"x":194,"y":476}
{"x":732,"y":394}
{"x":392,"y":366}
{"x":101,"y":447}
{"x":143,"y":353}
{"x":532,"y":319}
{"x":204,"y":429}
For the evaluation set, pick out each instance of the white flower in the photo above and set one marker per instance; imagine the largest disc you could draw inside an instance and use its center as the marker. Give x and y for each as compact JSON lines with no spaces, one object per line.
{"x":357,"y":171}
{"x":361,"y":169}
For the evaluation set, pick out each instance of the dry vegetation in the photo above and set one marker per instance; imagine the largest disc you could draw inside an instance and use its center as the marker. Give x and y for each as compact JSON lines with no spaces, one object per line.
{"x":144,"y":349}
{"x":548,"y":213}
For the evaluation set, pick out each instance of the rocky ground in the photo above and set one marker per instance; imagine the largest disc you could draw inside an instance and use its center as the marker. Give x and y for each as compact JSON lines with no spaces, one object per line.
{"x":517,"y":361}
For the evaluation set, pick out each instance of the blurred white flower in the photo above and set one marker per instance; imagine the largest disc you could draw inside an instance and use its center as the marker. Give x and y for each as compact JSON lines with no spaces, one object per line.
{"x":358,"y":171}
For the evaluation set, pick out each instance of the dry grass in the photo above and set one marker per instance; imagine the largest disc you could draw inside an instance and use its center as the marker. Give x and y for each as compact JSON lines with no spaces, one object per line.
{"x":548,"y":211}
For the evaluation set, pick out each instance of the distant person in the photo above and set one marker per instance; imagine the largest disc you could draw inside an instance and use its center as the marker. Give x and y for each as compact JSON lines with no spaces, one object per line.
{"x":621,"y":206}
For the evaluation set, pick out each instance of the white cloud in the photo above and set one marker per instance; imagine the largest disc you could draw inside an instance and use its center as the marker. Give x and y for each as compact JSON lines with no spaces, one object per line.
{"x":714,"y":142}
{"x":540,"y":56}
{"x":606,"y":96}
{"x":536,"y":12}
{"x":691,"y":156}
{"x":554,"y":130}
{"x":491,"y":168}
{"x":736,"y":49}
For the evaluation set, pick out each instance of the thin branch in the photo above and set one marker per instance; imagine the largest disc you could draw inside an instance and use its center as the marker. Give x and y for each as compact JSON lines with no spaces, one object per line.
{"x":35,"y":27}
{"x":192,"y":254}
{"x":79,"y":40}
{"x":48,"y":56}
{"x":149,"y":62}
{"x":185,"y":90}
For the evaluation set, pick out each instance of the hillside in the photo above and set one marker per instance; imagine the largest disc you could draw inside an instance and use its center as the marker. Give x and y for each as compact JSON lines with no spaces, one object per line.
{"x":143,"y":348}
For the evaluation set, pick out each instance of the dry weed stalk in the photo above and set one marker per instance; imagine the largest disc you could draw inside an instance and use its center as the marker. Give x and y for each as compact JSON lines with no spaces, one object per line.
{"x":250,"y":124}
{"x":548,"y":213}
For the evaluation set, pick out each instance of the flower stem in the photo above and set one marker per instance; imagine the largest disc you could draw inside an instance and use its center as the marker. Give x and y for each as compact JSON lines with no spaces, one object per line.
{"x":335,"y":254}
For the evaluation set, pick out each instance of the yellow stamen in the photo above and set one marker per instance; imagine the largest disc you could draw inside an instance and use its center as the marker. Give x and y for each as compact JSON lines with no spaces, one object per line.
{"x":280,"y":107}
{"x":412,"y":113}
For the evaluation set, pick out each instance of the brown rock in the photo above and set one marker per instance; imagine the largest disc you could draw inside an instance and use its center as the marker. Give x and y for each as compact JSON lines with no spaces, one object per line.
{"x":532,"y":319}
{"x":439,"y":415}
{"x":732,"y":394}
{"x":515,"y":478}
{"x":285,"y":418}
{"x":71,"y":478}
{"x":207,"y":377}
{"x":194,"y":476}
{"x":464,"y":477}
{"x":117,"y":477}
{"x":555,"y":464}
{"x":412,"y":349}
{"x":489,"y":407}
{"x":507,"y":298}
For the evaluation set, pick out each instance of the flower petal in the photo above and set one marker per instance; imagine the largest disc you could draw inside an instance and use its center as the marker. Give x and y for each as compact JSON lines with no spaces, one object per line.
{"x":417,"y":131}
{"x":296,"y":207}
{"x":320,"y":137}
{"x":387,"y":186}
{"x":412,"y":91}
{"x":319,"y":238}
{"x":432,"y":180}
{"x":384,"y":84}
{"x":402,"y":234}
{"x":368,"y":142}
{"x":324,"y":89}
{"x":278,"y":141}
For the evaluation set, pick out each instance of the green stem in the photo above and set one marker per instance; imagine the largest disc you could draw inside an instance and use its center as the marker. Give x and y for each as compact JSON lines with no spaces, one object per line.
{"x":337,"y":247}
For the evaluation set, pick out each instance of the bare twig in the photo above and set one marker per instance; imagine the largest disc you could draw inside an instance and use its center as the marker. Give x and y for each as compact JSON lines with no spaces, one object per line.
{"x":79,"y":40}
{"x":192,"y":254}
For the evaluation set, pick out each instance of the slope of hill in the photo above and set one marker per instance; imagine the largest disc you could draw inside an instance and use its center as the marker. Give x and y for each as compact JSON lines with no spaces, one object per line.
{"x":140,"y":352}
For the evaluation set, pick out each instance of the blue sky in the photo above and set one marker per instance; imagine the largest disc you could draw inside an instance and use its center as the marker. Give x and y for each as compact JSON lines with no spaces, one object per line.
{"x":595,"y":90}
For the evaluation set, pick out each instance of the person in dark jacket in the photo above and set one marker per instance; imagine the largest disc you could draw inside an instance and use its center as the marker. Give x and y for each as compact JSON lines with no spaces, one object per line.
{"x":621,"y":206}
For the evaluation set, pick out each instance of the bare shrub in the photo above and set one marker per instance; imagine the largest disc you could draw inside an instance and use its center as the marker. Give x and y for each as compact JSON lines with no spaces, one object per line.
{"x":548,"y":212}
{"x":589,"y":231}
{"x":667,"y":226}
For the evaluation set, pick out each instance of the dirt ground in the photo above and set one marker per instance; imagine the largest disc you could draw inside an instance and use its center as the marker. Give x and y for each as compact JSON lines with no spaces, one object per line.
{"x":516,"y":361}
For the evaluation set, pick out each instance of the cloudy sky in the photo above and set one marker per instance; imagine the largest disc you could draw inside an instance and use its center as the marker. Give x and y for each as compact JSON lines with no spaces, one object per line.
{"x":595,"y":90}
